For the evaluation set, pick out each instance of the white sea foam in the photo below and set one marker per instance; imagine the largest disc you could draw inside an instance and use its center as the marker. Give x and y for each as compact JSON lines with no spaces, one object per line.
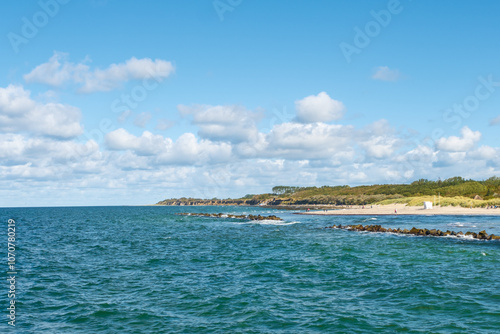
{"x":458,"y":224}
{"x":368,"y":219}
{"x":269,"y":222}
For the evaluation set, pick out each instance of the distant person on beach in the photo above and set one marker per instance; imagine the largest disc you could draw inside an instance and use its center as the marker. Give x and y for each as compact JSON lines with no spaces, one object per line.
{"x":396,"y":211}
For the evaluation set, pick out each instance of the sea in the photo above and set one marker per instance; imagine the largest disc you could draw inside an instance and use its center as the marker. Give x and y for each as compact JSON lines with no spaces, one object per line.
{"x":149,"y":270}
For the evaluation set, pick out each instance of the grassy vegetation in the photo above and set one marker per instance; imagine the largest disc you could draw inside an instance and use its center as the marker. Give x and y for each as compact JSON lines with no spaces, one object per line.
{"x":444,"y":201}
{"x":455,"y":191}
{"x":455,"y":186}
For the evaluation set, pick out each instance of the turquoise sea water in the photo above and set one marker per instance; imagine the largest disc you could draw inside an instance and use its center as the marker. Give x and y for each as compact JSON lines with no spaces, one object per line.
{"x":147,"y":270}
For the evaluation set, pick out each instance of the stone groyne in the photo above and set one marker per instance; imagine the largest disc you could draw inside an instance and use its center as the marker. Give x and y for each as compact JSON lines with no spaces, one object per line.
{"x":482,"y":235}
{"x":224,"y":215}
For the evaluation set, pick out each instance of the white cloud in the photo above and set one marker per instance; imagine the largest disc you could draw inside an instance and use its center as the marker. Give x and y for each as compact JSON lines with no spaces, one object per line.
{"x":449,"y":159}
{"x":330,"y":144}
{"x":142,"y":119}
{"x":146,"y":144}
{"x":464,"y":143}
{"x":357,"y":177}
{"x":223,"y":123}
{"x":164,"y":124}
{"x":421,"y":153}
{"x":19,"y":113}
{"x":252,"y":149}
{"x":47,"y":154}
{"x":132,"y":69}
{"x":309,"y":137}
{"x":295,"y":141}
{"x":495,"y":121}
{"x":378,"y":140}
{"x":14,"y":100}
{"x":318,"y":108}
{"x":379,"y":147}
{"x":122,"y":117}
{"x":58,"y":71}
{"x":379,"y":128}
{"x":187,"y":149}
{"x":384,"y":73}
{"x":485,"y":153}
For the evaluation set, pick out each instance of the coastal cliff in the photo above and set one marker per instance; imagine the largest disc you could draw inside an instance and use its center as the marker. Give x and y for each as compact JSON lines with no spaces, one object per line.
{"x":222,"y":202}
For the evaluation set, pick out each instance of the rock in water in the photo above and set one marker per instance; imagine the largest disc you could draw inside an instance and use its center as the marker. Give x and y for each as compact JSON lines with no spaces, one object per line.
{"x":482,"y":235}
{"x":222,"y":215}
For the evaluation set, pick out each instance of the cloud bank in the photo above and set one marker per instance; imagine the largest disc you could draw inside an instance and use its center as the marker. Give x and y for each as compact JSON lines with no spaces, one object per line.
{"x":43,"y":154}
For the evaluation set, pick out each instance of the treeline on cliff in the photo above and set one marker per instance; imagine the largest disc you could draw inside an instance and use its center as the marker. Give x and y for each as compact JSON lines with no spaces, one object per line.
{"x":455,"y":186}
{"x":360,"y":195}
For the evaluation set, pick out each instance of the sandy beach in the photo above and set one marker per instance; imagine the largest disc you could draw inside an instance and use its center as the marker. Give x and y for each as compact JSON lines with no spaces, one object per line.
{"x":403,"y":209}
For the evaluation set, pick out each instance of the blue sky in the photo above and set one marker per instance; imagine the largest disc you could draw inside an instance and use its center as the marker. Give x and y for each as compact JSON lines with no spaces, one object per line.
{"x":128,"y":102}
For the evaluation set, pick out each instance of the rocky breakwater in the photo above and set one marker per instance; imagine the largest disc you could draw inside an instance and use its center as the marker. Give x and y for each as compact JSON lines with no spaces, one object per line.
{"x":224,"y":215}
{"x":418,"y":232}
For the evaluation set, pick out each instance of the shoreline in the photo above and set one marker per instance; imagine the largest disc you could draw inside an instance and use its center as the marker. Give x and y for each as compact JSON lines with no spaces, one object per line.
{"x":404,"y":210}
